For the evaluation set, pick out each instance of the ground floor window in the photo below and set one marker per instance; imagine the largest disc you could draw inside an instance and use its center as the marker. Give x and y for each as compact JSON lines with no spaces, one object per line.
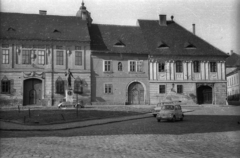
{"x":78,"y":86}
{"x":162,"y":89}
{"x":59,"y":86}
{"x":108,"y":89}
{"x":5,"y":86}
{"x":179,"y":88}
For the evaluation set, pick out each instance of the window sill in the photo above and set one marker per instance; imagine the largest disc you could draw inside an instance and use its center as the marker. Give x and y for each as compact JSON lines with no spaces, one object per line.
{"x":108,"y":93}
{"x":108,"y":72}
{"x":136,"y":72}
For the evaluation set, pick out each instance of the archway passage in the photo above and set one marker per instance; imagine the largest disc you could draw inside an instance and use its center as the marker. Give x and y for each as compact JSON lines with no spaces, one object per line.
{"x":32,"y":92}
{"x":135,"y":93}
{"x":204,"y":95}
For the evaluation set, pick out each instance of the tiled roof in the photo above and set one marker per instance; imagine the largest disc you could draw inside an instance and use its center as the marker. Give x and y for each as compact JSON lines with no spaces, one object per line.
{"x":42,"y":27}
{"x":179,"y":40}
{"x":233,"y":60}
{"x":117,"y":39}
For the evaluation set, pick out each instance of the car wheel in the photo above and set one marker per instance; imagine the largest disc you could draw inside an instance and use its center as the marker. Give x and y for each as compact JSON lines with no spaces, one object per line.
{"x":154,"y":115}
{"x":159,"y":119}
{"x":181,"y":119}
{"x":174,"y":119}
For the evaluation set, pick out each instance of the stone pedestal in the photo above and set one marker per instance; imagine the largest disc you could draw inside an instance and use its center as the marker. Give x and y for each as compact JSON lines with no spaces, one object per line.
{"x":69,"y":95}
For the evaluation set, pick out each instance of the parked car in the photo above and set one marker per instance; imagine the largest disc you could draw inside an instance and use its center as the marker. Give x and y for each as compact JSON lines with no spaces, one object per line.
{"x":170,"y":112}
{"x":157,"y":109}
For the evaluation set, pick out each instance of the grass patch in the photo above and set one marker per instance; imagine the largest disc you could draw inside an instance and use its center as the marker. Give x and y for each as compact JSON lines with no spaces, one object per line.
{"x":60,"y":115}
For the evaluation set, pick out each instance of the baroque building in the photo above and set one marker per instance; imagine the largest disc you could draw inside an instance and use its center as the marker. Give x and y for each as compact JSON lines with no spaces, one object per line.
{"x":36,"y":52}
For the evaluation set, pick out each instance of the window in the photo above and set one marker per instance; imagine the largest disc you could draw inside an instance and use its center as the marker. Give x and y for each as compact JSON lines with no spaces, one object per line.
{"x":178,"y":66}
{"x":119,"y":66}
{"x":108,"y":89}
{"x":107,"y":65}
{"x":59,"y":57}
{"x":41,"y":57}
{"x":179,"y":89}
{"x":5,"y":56}
{"x":136,"y":66}
{"x":78,"y":86}
{"x":213,"y":67}
{"x":59,"y":86}
{"x":26,"y":57}
{"x":78,"y":58}
{"x":196,"y":66}
{"x":161,"y":67}
{"x":162,"y":89}
{"x":5,"y":85}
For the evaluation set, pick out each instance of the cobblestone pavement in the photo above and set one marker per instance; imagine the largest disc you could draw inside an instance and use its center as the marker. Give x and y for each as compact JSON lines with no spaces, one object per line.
{"x":212,"y":138}
{"x":124,"y":146}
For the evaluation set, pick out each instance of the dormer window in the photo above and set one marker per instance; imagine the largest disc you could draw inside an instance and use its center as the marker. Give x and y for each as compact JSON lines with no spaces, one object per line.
{"x":56,"y":31}
{"x":162,"y":45}
{"x":188,"y":45}
{"x":11,"y":29}
{"x":119,"y":43}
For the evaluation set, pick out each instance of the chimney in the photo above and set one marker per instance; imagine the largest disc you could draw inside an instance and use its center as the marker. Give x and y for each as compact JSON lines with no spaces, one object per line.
{"x":42,"y":12}
{"x":162,"y":20}
{"x":194,"y":32}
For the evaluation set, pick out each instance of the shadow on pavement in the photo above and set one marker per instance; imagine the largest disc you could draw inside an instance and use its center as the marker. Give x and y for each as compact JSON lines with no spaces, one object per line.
{"x":190,"y":124}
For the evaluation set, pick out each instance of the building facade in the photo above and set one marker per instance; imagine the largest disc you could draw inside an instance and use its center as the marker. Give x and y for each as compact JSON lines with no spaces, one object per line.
{"x":36,"y":52}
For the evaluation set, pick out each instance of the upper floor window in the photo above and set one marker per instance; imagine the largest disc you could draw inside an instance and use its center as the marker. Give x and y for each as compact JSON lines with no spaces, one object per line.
{"x":5,"y":56}
{"x":59,"y":86}
{"x":26,"y":56}
{"x":5,"y":85}
{"x":136,"y":66}
{"x":179,"y":88}
{"x":161,"y":67}
{"x":78,"y":58}
{"x":78,"y":88}
{"x":213,"y":67}
{"x":196,"y":66}
{"x":41,"y":57}
{"x":107,"y":65}
{"x":119,"y":66}
{"x":108,"y":89}
{"x":162,"y":89}
{"x":179,"y":66}
{"x":59,"y":58}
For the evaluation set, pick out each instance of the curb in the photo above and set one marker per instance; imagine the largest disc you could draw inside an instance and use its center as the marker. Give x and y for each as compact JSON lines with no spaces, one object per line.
{"x":66,"y":126}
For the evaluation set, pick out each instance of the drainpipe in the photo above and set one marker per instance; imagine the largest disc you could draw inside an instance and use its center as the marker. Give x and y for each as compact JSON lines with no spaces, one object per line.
{"x":52,"y":68}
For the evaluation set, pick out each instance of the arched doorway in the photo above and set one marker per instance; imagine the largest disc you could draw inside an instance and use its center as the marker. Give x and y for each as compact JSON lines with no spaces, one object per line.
{"x":204,"y":95}
{"x":32,"y":92}
{"x":135,"y":93}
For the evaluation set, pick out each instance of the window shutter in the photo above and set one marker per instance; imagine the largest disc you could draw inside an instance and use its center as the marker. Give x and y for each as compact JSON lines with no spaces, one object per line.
{"x":11,"y":86}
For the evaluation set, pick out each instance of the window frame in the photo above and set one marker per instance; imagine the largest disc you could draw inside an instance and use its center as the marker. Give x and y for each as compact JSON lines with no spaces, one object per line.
{"x":120,"y":66}
{"x":78,"y":88}
{"x":108,"y":88}
{"x":135,"y":65}
{"x":5,"y":86}
{"x":26,"y":54}
{"x":41,"y":57}
{"x":196,"y":67}
{"x":5,"y":56}
{"x":59,"y":58}
{"x":162,"y":89}
{"x":107,"y":65}
{"x":179,"y":89}
{"x":179,"y":66}
{"x":78,"y":58}
{"x":161,"y":67}
{"x":213,"y":66}
{"x":60,"y":86}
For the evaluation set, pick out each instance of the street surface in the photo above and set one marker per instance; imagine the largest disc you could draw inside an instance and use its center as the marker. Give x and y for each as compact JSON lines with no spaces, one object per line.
{"x":206,"y":132}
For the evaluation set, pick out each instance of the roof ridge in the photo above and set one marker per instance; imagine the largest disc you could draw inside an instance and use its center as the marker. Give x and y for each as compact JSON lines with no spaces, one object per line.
{"x":118,"y":25}
{"x":36,"y":14}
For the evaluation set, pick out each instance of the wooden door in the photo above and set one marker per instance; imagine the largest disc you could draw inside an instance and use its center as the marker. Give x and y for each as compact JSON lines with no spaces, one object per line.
{"x":32,"y":92}
{"x":207,"y":96}
{"x":136,"y":93}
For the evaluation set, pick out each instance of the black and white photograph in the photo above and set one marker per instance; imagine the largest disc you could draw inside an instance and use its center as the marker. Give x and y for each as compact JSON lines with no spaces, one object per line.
{"x":119,"y":78}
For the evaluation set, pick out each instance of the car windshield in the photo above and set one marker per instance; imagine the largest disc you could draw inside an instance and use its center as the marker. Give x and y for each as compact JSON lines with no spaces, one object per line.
{"x":167,"y":107}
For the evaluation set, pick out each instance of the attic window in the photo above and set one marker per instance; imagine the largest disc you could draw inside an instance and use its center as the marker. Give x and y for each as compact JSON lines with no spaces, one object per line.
{"x":189,"y":46}
{"x":162,"y":45}
{"x":119,"y":44}
{"x":56,"y":31}
{"x":11,"y":29}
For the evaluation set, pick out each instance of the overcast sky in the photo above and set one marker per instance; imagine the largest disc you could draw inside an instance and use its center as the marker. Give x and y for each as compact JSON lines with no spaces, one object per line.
{"x":216,"y":20}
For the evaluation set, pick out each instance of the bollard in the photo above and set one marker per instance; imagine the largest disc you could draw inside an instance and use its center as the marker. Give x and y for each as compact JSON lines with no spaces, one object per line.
{"x":29,"y":113}
{"x":63,"y":117}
